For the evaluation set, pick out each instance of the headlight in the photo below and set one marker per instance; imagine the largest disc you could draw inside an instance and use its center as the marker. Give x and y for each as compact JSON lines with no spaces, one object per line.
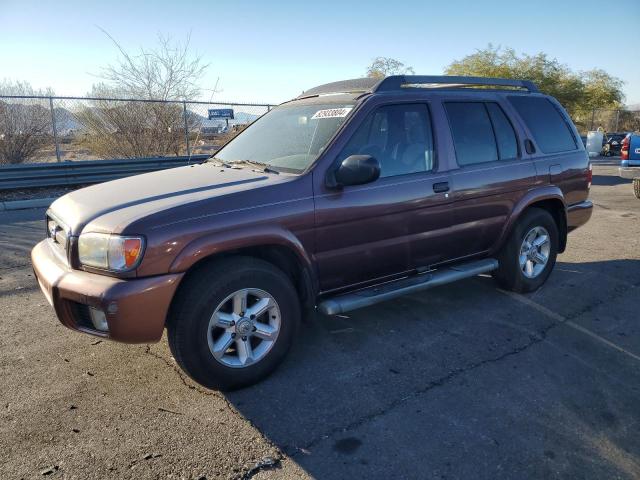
{"x":111,"y":252}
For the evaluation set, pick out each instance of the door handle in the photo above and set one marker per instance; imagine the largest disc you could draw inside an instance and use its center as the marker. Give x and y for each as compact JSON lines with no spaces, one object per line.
{"x":441,"y":187}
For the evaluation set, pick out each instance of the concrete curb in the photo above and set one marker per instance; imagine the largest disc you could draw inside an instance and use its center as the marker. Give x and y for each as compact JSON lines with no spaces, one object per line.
{"x":24,"y":204}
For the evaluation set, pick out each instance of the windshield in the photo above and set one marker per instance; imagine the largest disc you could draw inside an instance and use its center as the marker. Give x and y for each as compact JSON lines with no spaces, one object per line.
{"x":289,"y":138}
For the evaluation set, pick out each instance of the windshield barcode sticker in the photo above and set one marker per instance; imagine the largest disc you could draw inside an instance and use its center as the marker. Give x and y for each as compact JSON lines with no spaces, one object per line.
{"x":332,"y":113}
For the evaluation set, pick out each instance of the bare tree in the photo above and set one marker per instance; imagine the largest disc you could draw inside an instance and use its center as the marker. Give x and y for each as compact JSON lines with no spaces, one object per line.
{"x":167,"y":72}
{"x":138,"y":129}
{"x":132,"y":129}
{"x":25,"y":124}
{"x":383,"y":66}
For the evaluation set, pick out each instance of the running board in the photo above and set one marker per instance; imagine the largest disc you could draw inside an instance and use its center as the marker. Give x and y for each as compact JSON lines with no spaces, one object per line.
{"x":380,"y":293}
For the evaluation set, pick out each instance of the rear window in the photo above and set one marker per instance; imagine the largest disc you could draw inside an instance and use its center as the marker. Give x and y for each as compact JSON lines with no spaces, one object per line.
{"x":547,"y":125}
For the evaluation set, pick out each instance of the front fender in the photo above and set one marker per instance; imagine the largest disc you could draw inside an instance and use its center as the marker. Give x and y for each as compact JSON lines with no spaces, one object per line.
{"x":236,"y":239}
{"x":541,"y":194}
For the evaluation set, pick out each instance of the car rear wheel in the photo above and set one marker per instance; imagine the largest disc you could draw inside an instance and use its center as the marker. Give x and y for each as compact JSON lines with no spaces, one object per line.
{"x":232,"y":323}
{"x":527,"y":258}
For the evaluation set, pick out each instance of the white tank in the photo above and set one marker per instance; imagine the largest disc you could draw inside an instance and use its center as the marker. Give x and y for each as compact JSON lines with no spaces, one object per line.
{"x":594,"y":143}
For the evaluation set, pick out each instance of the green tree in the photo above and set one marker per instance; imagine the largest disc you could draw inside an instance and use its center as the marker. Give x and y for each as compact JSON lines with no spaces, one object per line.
{"x":602,"y":90}
{"x":579,"y":92}
{"x":383,"y":66}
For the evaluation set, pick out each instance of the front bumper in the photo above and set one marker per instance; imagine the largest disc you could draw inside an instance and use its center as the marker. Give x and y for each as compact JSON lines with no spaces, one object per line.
{"x":578,"y":214}
{"x":135,"y":309}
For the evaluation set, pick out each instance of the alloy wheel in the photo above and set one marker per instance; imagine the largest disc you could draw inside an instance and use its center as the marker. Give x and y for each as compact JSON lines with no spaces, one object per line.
{"x":244,"y":327}
{"x":534,"y":252}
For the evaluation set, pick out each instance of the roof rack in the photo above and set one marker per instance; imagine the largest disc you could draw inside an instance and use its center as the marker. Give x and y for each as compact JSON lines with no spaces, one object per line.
{"x":402,"y":82}
{"x":357,"y":85}
{"x":398,"y":82}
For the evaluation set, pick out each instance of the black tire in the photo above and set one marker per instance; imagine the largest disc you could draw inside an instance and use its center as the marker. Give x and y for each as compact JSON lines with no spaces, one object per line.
{"x":636,"y":187}
{"x":197,"y":300}
{"x":509,"y":274}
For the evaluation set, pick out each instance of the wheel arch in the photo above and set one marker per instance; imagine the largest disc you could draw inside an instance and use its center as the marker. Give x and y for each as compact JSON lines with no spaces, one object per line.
{"x":278,"y":247}
{"x":550,"y":199}
{"x":557,"y":210}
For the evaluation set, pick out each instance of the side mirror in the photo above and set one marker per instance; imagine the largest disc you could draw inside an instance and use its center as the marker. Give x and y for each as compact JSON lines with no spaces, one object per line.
{"x":356,"y":170}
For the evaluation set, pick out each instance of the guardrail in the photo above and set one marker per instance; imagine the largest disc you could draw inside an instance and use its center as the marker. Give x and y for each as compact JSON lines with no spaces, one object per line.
{"x":84,"y":172}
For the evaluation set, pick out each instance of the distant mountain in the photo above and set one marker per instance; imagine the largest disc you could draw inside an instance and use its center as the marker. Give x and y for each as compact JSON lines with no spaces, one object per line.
{"x":239,"y":118}
{"x":244,"y":117}
{"x":66,"y":122}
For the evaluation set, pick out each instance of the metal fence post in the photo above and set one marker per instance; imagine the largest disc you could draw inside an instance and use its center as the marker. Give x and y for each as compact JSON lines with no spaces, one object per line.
{"x":186,"y":127}
{"x":55,"y":131}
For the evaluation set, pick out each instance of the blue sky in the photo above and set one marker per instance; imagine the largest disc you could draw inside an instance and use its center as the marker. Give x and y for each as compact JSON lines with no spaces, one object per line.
{"x":271,"y":51}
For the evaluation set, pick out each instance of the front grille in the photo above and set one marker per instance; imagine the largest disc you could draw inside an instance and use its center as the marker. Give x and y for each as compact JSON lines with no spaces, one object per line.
{"x":58,"y":233}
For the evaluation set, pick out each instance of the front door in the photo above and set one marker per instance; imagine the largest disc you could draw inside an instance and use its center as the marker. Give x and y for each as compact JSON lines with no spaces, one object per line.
{"x":375,"y":231}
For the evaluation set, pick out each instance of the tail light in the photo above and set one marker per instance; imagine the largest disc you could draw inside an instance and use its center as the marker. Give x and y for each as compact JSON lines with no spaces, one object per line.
{"x":589,"y":175}
{"x":624,"y":150}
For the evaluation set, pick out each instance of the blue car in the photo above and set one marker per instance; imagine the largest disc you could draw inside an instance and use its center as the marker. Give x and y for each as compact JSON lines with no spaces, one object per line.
{"x":630,"y":164}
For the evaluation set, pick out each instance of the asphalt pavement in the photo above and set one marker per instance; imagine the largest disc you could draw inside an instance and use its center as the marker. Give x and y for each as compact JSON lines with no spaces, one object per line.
{"x":462,"y":381}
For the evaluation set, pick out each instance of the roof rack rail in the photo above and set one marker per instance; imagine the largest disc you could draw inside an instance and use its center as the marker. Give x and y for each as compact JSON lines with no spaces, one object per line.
{"x":401,"y":82}
{"x":398,"y":82}
{"x":357,"y":85}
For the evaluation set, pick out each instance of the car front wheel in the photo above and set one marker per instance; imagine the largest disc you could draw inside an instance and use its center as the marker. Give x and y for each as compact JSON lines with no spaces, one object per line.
{"x":233,"y":323}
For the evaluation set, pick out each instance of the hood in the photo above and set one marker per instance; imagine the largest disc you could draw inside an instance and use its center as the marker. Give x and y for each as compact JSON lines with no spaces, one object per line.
{"x":128,"y":199}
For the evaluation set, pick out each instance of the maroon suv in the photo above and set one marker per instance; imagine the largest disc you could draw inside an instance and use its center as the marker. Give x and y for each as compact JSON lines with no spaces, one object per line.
{"x":353,"y":193}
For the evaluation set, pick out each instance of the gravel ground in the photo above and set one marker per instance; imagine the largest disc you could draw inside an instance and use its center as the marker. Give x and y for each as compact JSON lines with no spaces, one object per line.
{"x":463,"y":381}
{"x":33,"y":193}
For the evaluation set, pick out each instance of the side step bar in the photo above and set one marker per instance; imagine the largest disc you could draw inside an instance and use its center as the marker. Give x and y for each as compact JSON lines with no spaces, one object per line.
{"x":372,"y":295}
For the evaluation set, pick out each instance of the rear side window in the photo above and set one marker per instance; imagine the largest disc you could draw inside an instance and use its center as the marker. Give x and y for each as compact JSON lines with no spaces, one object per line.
{"x":505,"y":136}
{"x":472,"y":132}
{"x":547,"y":125}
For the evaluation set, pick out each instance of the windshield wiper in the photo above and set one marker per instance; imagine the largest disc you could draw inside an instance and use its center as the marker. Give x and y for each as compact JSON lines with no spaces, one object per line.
{"x":264,"y":167}
{"x":220,"y":163}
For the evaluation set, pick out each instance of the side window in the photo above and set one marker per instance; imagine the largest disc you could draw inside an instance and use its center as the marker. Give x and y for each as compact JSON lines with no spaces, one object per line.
{"x":472,"y":132}
{"x":547,"y":125}
{"x":505,"y":135}
{"x":399,"y":136}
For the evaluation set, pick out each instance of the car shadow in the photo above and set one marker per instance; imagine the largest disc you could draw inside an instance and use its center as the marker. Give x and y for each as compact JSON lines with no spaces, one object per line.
{"x":427,"y":384}
{"x":609,"y":180}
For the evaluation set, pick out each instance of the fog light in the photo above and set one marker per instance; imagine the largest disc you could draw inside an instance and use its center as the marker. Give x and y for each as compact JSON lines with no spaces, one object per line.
{"x":99,"y":319}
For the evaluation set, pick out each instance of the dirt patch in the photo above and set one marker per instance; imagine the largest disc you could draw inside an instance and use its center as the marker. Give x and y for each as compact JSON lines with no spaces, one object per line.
{"x":34,"y":193}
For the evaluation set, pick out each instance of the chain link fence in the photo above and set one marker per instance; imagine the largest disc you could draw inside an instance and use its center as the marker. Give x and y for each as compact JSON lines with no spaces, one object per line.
{"x":50,"y":129}
{"x":618,"y":121}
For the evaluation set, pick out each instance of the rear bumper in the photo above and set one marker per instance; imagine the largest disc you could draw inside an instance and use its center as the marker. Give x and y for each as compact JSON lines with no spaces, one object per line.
{"x":135,"y":309}
{"x":578,"y":214}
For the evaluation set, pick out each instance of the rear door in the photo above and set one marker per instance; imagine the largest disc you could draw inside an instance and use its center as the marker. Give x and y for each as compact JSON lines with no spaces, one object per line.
{"x":492,"y":172}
